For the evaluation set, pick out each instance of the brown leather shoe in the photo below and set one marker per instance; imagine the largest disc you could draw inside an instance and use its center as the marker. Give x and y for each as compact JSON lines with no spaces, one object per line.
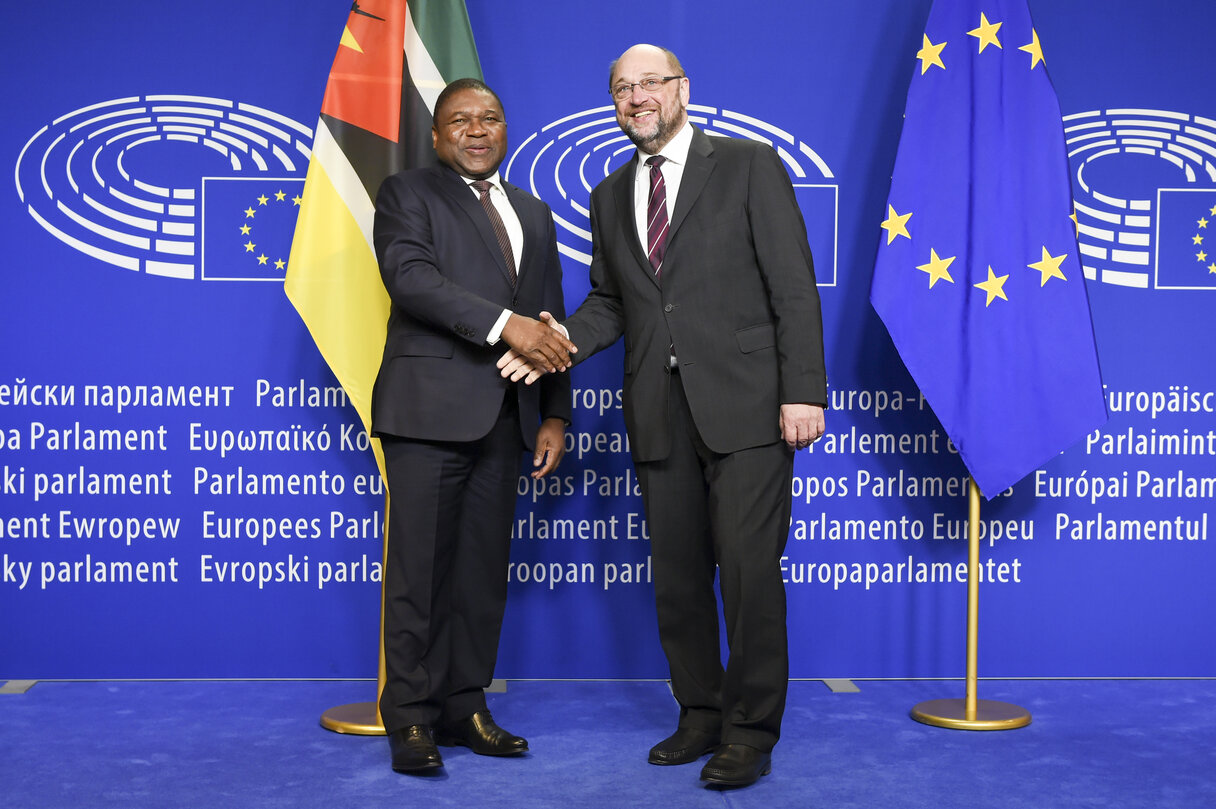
{"x":414,"y":750}
{"x":684,"y":746}
{"x":481,"y":734}
{"x":737,"y":765}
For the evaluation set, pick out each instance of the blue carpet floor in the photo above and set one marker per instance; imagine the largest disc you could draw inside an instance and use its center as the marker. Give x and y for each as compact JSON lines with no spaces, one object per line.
{"x":1122,"y":744}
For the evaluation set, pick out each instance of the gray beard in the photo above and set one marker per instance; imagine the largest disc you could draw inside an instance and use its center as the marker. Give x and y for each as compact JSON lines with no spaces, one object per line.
{"x":662,"y":133}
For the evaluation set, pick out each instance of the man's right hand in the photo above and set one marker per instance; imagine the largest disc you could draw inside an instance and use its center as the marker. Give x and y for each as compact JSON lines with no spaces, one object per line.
{"x":540,"y":345}
{"x":514,"y":367}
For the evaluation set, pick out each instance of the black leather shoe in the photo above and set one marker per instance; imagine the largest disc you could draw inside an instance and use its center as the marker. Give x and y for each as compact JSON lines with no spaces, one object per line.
{"x":414,"y":750}
{"x":684,"y":746}
{"x":481,"y":734}
{"x":737,"y":765}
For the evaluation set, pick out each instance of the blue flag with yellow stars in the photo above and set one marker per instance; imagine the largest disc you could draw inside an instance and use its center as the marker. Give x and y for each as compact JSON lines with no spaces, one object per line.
{"x":977,"y":277}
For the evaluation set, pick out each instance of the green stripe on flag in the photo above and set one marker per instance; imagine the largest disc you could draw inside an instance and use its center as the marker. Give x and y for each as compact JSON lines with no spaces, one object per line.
{"x":444,"y":29}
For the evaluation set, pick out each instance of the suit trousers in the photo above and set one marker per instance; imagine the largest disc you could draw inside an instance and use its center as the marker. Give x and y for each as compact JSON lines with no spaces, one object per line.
{"x":729,"y":514}
{"x":451,"y":505}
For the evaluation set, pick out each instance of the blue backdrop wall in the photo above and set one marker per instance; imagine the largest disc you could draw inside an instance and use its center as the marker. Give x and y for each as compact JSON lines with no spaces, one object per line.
{"x":165,"y":419}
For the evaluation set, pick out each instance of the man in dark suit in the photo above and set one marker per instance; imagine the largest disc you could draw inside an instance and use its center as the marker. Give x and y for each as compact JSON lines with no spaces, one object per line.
{"x":467,"y":261}
{"x":702,"y":263}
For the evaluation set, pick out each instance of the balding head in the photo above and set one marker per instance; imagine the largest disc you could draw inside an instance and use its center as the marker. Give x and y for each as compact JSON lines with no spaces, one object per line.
{"x":650,"y":93}
{"x":674,"y":68}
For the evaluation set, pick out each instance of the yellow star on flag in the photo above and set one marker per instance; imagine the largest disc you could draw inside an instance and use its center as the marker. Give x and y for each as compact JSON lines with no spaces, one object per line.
{"x":262,"y":258}
{"x":930,"y":54}
{"x":245,"y":230}
{"x":297,"y":199}
{"x":986,"y":33}
{"x":1196,"y":239}
{"x":279,"y":196}
{"x":1201,"y":256}
{"x":1075,"y":224}
{"x":280,"y":264}
{"x":1203,"y":223}
{"x":994,"y":287}
{"x":348,"y":40}
{"x":1212,"y":269}
{"x":937,"y":268}
{"x":896,"y":224}
{"x":249,"y":246}
{"x":262,"y":200}
{"x":1049,"y":266}
{"x":1034,"y":49}
{"x":249,"y":212}
{"x":1213,"y":211}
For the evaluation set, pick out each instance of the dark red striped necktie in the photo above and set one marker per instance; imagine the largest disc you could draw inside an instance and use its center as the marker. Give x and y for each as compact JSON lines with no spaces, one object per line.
{"x":500,"y":231}
{"x":656,"y":214}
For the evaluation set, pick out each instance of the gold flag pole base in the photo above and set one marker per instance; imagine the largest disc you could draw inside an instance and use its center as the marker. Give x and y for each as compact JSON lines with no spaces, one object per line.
{"x":972,"y":713}
{"x":988,"y":714}
{"x":357,"y":718}
{"x":363,"y":718}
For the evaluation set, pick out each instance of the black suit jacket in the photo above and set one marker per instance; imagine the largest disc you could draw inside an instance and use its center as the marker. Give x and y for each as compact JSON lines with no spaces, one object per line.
{"x":447,"y":279}
{"x":737,"y":300}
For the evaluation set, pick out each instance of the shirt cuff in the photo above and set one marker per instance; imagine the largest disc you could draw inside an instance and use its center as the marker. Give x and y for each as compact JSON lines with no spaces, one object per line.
{"x":499,"y":325}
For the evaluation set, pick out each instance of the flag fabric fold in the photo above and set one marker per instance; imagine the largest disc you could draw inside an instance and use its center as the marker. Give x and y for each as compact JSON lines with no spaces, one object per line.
{"x":393,"y":60}
{"x":978,"y":278}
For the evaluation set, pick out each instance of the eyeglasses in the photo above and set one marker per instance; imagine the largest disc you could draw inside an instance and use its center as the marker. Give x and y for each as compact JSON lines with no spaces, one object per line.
{"x":650,"y":84}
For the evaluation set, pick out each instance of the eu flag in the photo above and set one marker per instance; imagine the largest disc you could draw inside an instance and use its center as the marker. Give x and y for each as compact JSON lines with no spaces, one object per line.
{"x":977,"y":278}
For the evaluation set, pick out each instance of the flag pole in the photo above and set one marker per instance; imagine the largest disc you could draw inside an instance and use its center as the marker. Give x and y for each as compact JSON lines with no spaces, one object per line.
{"x":363,"y":718}
{"x":971,"y":713}
{"x":380,"y":106}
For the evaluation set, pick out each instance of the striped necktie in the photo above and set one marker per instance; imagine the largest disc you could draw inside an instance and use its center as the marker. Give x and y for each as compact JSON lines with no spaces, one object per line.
{"x":656,"y":214}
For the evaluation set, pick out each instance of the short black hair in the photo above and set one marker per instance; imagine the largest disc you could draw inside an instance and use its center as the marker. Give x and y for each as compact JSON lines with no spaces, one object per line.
{"x":463,"y":84}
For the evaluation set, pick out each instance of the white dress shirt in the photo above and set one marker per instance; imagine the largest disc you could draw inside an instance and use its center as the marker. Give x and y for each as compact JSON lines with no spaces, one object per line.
{"x":676,"y":152}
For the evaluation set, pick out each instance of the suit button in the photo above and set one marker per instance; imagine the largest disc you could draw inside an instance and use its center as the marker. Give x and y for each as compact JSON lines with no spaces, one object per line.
{"x":669,"y":307}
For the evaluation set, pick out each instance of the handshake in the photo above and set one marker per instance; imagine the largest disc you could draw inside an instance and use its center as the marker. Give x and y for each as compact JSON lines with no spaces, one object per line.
{"x":538,"y":347}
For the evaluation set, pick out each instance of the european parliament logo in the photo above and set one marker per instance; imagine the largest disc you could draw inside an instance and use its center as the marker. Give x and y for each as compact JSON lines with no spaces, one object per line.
{"x":565,"y":159}
{"x":1145,"y":197}
{"x":178,"y":186}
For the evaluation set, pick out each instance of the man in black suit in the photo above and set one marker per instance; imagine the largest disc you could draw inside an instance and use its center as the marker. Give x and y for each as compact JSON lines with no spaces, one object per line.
{"x":467,"y":260}
{"x":702,"y":263}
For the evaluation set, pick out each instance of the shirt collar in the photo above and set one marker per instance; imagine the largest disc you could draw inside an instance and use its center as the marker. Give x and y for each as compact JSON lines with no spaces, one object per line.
{"x":494,"y":180}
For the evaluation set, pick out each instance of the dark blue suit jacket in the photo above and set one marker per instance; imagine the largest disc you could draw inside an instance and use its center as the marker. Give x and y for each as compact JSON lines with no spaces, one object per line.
{"x":447,"y":279}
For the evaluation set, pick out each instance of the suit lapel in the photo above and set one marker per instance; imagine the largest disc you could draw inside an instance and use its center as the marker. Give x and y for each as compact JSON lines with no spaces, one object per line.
{"x":696,"y":173}
{"x":455,"y":186}
{"x":533,"y":228}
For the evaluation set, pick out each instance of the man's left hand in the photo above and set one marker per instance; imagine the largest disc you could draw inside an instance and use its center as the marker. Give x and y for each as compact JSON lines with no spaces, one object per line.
{"x":801,"y":424}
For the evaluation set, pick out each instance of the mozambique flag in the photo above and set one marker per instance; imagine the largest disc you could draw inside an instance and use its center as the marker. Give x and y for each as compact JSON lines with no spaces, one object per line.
{"x":393,"y":60}
{"x":977,"y":277}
